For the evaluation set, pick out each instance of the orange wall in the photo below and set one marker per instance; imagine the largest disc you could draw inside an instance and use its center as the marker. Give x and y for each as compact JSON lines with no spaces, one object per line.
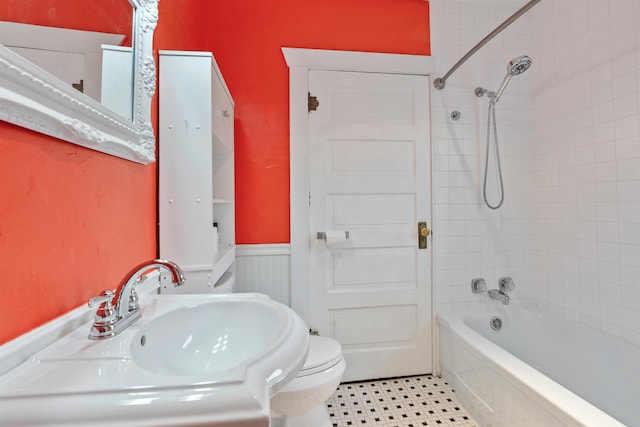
{"x":245,"y":37}
{"x":73,"y":221}
{"x":108,"y":16}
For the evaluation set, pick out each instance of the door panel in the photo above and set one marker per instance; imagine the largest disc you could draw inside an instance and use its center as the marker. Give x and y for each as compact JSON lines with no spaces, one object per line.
{"x":350,"y":325}
{"x":375,"y":267}
{"x":369,"y":169}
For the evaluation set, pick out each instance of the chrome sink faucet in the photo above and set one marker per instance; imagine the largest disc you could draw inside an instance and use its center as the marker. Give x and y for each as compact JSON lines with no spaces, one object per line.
{"x":120,"y":309}
{"x":505,"y":284}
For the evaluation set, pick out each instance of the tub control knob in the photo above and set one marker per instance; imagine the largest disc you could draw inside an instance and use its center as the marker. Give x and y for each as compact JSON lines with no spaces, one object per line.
{"x":478,"y":285}
{"x":506,"y":284}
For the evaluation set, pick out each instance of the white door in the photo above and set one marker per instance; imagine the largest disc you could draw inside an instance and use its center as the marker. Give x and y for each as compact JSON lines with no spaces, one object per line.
{"x":369,"y":169}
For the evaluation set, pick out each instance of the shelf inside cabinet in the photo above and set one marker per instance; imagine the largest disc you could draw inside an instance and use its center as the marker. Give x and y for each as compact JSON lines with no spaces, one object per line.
{"x":222,"y":201}
{"x":224,"y":280}
{"x":222,"y":260}
{"x":220,"y":146}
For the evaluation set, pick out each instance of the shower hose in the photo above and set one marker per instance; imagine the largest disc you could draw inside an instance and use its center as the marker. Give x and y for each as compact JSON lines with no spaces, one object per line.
{"x":491,"y":119}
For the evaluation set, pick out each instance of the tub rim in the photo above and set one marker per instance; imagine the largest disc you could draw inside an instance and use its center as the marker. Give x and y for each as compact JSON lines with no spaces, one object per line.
{"x":533,"y":383}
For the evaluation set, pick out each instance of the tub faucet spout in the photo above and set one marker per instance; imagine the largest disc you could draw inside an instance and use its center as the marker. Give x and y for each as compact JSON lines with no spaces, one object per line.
{"x":499,"y":295}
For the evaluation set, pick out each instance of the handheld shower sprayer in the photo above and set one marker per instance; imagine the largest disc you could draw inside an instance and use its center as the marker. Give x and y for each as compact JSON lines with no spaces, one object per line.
{"x":515,"y":67}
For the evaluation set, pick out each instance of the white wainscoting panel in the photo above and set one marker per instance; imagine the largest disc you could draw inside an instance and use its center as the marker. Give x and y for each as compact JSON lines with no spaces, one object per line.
{"x":266,"y":269}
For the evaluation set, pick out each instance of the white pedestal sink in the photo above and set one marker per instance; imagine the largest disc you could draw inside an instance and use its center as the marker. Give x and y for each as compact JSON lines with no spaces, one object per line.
{"x":190,"y":360}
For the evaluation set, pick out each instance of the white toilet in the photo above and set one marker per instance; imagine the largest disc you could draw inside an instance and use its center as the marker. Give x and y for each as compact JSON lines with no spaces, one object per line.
{"x":301,"y":403}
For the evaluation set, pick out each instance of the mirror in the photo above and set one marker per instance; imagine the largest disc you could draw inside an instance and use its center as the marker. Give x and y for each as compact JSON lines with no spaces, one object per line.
{"x":67,"y":42}
{"x":80,"y":58}
{"x":33,"y":98}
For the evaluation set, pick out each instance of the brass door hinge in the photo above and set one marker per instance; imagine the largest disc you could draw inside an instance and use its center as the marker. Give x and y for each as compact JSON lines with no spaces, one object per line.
{"x":312,"y":102}
{"x":78,"y":86}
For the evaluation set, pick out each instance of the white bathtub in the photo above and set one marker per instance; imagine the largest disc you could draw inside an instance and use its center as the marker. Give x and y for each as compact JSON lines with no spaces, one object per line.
{"x":539,"y":370}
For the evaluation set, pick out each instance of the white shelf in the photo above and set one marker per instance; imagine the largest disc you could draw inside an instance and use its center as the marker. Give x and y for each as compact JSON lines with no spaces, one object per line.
{"x":196,"y":162}
{"x":222,"y":201}
{"x":222,"y":260}
{"x":225,"y":281}
{"x":220,"y":146}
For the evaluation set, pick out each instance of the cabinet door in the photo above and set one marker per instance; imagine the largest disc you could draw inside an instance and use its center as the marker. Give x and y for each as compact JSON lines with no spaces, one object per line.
{"x":186,"y":216}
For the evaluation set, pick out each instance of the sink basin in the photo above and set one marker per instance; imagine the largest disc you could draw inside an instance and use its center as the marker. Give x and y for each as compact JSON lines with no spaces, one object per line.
{"x":190,"y":360}
{"x":207,"y":339}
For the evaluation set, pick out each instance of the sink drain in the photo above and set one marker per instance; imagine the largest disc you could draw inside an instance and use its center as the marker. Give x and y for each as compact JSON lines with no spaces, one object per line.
{"x":496,"y":323}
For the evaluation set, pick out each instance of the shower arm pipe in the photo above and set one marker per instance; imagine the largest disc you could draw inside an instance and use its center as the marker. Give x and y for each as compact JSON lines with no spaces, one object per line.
{"x":440,"y":82}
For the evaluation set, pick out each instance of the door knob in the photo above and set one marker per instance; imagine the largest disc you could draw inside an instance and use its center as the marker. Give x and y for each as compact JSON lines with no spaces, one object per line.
{"x":423,"y":233}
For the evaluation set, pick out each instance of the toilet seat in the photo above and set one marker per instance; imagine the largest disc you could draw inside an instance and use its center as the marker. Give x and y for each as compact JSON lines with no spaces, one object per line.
{"x":323,"y":354}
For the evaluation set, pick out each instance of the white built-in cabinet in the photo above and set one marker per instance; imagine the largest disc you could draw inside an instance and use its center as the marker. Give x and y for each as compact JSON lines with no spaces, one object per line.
{"x":196,"y":171}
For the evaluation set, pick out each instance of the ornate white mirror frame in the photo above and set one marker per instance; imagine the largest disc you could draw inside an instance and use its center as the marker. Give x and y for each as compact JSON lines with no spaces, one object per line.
{"x":32,"y":98}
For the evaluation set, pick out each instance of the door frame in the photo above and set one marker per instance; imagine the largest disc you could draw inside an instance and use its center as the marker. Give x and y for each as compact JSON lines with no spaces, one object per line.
{"x":300,"y":61}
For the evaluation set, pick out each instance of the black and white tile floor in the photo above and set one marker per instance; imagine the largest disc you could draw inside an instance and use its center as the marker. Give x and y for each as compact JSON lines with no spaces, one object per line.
{"x":417,"y":401}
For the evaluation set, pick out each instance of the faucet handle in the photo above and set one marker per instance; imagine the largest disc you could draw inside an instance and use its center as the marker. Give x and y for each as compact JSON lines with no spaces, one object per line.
{"x":105,"y":318}
{"x":134,"y":301}
{"x":506,"y":284}
{"x":105,"y":312}
{"x":105,"y":296}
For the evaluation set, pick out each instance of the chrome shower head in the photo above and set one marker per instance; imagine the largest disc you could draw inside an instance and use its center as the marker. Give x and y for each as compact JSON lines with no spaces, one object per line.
{"x":515,"y":67}
{"x":519,"y":65}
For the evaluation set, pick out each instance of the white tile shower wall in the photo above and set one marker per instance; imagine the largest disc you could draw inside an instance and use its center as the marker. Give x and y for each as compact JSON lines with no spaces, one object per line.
{"x":586,"y":103}
{"x":472,"y":240}
{"x":569,"y":131}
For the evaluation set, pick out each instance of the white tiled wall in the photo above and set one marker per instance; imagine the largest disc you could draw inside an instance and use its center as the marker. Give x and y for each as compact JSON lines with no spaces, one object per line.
{"x":471,"y":240}
{"x":587,"y":137}
{"x":569,"y":129}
